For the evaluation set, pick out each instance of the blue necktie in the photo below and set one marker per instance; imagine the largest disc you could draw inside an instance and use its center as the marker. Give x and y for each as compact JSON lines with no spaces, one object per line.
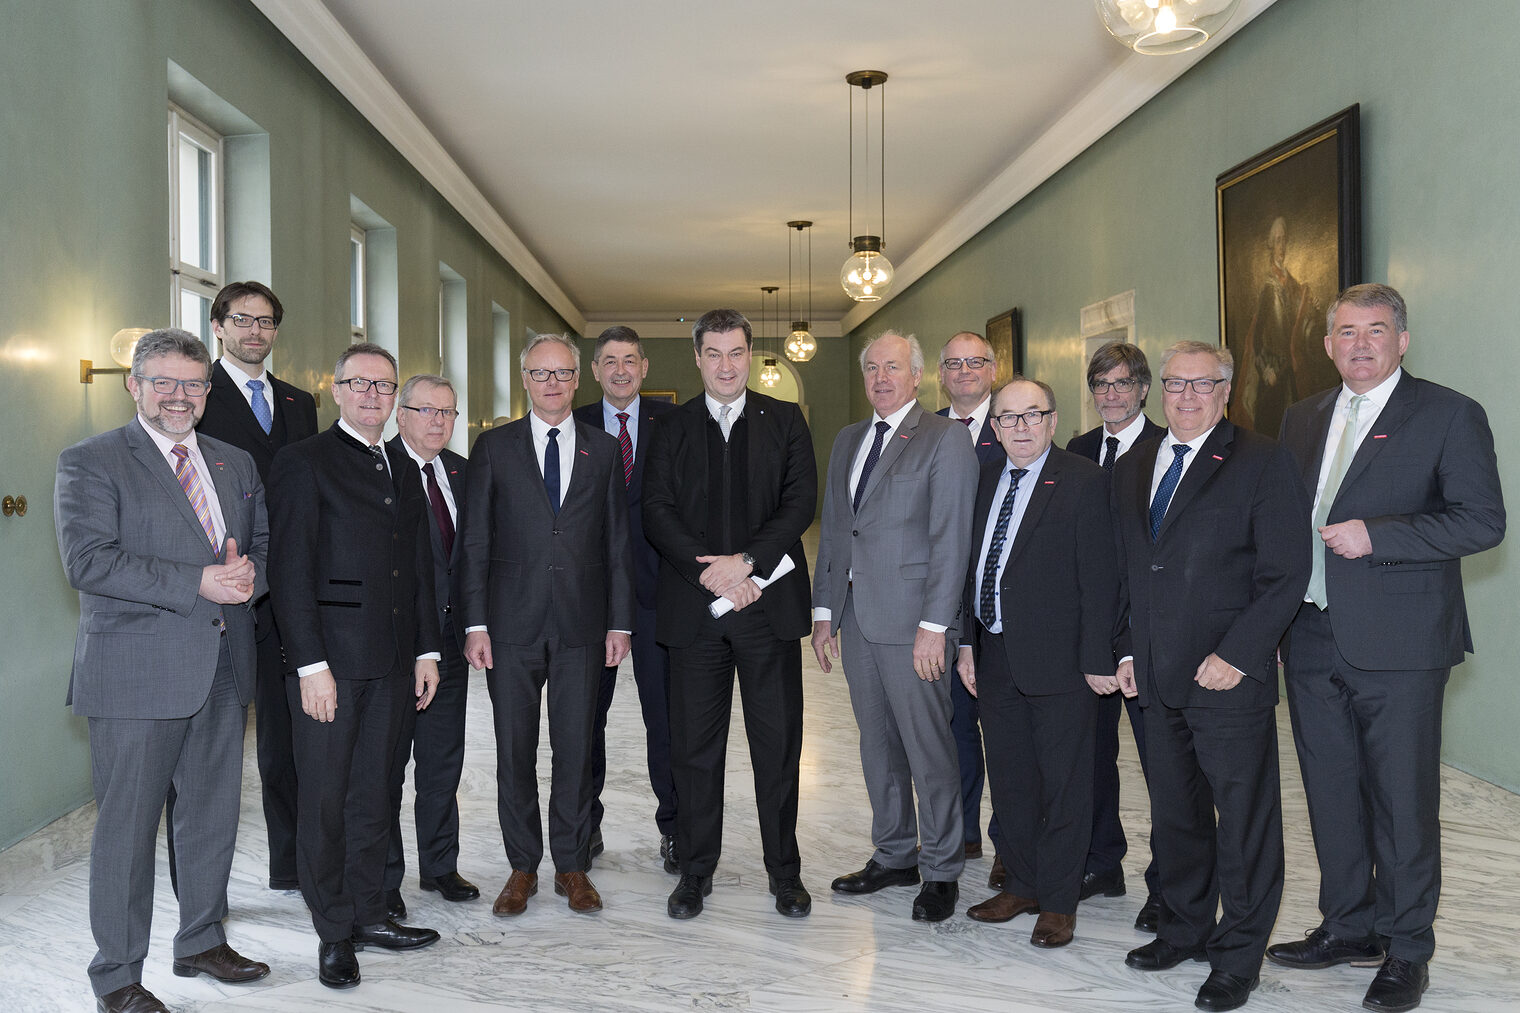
{"x":987,"y":605}
{"x":1166,"y":488}
{"x":260,"y":406}
{"x":551,"y":470}
{"x":871,"y":459}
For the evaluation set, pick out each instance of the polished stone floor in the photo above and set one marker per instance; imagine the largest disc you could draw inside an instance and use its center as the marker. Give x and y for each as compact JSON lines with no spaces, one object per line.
{"x":851,"y":954}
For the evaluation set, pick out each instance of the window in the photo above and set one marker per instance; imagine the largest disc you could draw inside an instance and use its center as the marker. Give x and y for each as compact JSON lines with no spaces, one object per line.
{"x":196,"y":270}
{"x":356,"y":283}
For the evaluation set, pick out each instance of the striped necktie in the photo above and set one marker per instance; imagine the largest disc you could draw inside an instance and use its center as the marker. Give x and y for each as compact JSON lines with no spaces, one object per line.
{"x":190,"y":481}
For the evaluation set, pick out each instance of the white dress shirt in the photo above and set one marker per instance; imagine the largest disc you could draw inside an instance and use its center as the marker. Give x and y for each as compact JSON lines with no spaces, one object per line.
{"x":166,"y":446}
{"x":238,"y":373}
{"x":1128,"y":437}
{"x":1020,"y":503}
{"x":565,"y":441}
{"x":978,"y":418}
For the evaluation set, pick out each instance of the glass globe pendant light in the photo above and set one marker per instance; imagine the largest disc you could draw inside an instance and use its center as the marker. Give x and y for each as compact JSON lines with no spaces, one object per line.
{"x":867,"y":274}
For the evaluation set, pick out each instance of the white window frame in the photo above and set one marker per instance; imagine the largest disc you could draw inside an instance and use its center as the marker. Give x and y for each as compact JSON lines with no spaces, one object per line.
{"x":184,"y":276}
{"x":358,"y":284}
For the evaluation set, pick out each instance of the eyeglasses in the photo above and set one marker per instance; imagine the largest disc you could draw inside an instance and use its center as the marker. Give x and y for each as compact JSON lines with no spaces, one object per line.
{"x":244,"y":320}
{"x":359,"y":385}
{"x":970,"y":362}
{"x":1123,"y":386}
{"x":168,"y":385}
{"x":1202,"y":385}
{"x":430,"y":413}
{"x":540,"y":375}
{"x":1009,"y":420}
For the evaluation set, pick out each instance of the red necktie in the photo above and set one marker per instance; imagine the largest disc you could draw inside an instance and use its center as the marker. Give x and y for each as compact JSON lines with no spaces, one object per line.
{"x":440,"y":511}
{"x":966,"y":421}
{"x":626,"y":443}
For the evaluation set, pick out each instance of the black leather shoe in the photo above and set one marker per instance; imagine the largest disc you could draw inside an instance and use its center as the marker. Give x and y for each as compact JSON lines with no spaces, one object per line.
{"x":1149,"y":917}
{"x":1320,"y":948}
{"x":597,"y":847}
{"x":669,"y":854}
{"x":223,"y":963}
{"x":874,"y":877}
{"x":792,"y":898}
{"x":1109,"y":884}
{"x":1398,"y":986}
{"x":130,"y":999}
{"x":1225,"y":991}
{"x":451,"y":886}
{"x":935,"y":901}
{"x":395,"y":907}
{"x":387,"y":935}
{"x":337,"y":967}
{"x":1158,"y":955}
{"x":686,"y":899}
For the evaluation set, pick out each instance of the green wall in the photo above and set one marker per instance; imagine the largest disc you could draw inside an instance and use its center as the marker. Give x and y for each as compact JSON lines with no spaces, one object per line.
{"x":1441,"y":222}
{"x":85,"y":222}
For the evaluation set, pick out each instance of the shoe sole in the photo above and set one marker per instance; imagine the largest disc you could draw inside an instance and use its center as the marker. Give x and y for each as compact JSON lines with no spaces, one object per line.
{"x":361,"y":947}
{"x":855,"y":888}
{"x":339,"y":984}
{"x":186,"y":971}
{"x":1321,"y":965}
{"x":987,"y":920}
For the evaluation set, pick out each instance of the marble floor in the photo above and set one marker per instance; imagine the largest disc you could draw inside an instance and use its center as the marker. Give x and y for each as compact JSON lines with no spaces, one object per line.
{"x":851,"y":954}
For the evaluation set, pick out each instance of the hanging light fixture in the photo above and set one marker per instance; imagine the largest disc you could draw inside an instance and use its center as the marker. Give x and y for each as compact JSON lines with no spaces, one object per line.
{"x":1162,"y":27}
{"x":770,"y":373}
{"x":867,"y":275}
{"x":800,"y":346}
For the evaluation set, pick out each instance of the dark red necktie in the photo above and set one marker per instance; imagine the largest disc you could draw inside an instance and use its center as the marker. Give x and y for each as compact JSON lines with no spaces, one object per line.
{"x":440,"y":511}
{"x":626,"y":443}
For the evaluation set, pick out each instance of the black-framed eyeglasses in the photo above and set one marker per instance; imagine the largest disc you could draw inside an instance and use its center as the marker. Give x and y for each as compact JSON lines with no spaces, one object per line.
{"x":1201,"y":385}
{"x":359,"y":385}
{"x":541,"y":375}
{"x":430,"y":413}
{"x":970,"y":362}
{"x":244,"y":320}
{"x":168,"y":385}
{"x":1009,"y":420}
{"x":1123,"y":386}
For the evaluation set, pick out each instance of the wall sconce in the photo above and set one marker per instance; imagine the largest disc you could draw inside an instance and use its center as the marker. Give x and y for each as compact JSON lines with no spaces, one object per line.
{"x":123,"y":344}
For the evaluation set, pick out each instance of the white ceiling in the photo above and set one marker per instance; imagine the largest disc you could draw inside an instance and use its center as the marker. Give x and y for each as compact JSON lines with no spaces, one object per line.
{"x":637,"y":162}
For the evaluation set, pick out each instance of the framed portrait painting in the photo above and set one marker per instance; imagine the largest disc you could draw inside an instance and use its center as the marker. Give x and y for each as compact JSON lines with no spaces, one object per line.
{"x":1290,"y":231}
{"x":1006,"y":337}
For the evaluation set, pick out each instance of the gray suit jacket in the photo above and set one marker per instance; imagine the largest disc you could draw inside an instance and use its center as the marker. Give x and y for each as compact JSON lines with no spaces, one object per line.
{"x":134,"y":549}
{"x":908,"y":545}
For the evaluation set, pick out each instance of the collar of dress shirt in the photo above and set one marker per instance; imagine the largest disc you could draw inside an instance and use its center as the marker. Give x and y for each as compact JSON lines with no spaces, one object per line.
{"x":566,"y":427}
{"x":165,"y":444}
{"x":1031,"y":470}
{"x":363,"y":440}
{"x":416,"y":457}
{"x":978,"y":416}
{"x":1378,"y":395}
{"x":1169,"y":441}
{"x":896,"y":418}
{"x":736,"y":408}
{"x":1128,"y":435}
{"x":610,"y":413}
{"x":238,"y":373}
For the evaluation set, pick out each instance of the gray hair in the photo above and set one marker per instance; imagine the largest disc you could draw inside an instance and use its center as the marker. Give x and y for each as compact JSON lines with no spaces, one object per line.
{"x":558,"y":339}
{"x":1369,"y":295}
{"x":619,"y":333}
{"x":915,"y":350}
{"x":1220,"y":353}
{"x":1120,"y":353}
{"x":991,"y":352}
{"x":169,"y":341}
{"x":431,"y":379}
{"x":363,"y":348}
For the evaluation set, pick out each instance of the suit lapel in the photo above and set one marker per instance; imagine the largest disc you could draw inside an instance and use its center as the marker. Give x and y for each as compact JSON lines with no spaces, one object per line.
{"x":234,"y":402}
{"x":580,"y":465}
{"x":1319,"y":430}
{"x":1211,"y":455}
{"x":892,"y":450}
{"x":528,"y":463}
{"x":762,"y":443}
{"x":1394,"y":414}
{"x":147,"y":454}
{"x":1039,"y":497}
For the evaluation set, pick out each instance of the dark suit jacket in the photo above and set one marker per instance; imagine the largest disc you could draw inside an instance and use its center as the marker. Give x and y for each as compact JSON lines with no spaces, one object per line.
{"x":350,"y":558}
{"x":527,"y":572}
{"x":1426,"y":482}
{"x":229,"y":419}
{"x":445,"y":565}
{"x":1087,"y":444}
{"x":1225,"y":575}
{"x":646,"y":561}
{"x":134,"y":549}
{"x":783,"y":489}
{"x":988,"y":449}
{"x":1061,"y":582}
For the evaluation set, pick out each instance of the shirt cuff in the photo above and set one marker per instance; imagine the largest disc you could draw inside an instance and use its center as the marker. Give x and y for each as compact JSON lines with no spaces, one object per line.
{"x":430,"y":656}
{"x":306,"y":670}
{"x":924,"y":624}
{"x":475,"y":629}
{"x":626,"y":633}
{"x":823,"y":615}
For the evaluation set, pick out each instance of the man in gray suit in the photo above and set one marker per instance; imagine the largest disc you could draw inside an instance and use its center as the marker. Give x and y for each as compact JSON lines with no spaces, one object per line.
{"x":891,"y":564}
{"x":164,"y":535}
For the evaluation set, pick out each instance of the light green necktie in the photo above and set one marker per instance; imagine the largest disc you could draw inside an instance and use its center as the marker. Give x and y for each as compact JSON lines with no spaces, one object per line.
{"x":1339,"y":464}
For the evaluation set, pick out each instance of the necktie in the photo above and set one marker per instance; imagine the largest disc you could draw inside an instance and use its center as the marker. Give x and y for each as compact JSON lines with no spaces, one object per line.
{"x":1166,"y":488}
{"x":551,"y":470}
{"x":871,"y":459}
{"x":966,"y":421}
{"x":1339,"y":464}
{"x":260,"y":406}
{"x":724,"y":425}
{"x":1111,"y":454}
{"x":190,"y":481}
{"x":440,"y":510}
{"x":987,"y":605}
{"x":625,"y":444}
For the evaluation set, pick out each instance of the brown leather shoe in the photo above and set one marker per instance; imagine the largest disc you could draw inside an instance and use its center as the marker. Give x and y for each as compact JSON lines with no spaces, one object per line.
{"x":513,"y":899}
{"x":1001,"y":907}
{"x":223,"y":963}
{"x":1052,"y":930}
{"x":577,"y":887}
{"x":131,"y":999}
{"x":998,"y":877}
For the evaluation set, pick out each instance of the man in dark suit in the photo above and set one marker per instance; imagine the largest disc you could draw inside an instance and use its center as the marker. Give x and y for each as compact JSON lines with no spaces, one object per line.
{"x":351,"y":562}
{"x":1405,"y":483}
{"x":257,"y":412}
{"x":1214,"y":556}
{"x":546,"y":583}
{"x":620,"y":366}
{"x":425,"y":416}
{"x":1043,"y":584}
{"x":891,"y":568}
{"x":967,"y":367}
{"x":165,"y":537}
{"x":729,"y":490}
{"x":1119,"y":378}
